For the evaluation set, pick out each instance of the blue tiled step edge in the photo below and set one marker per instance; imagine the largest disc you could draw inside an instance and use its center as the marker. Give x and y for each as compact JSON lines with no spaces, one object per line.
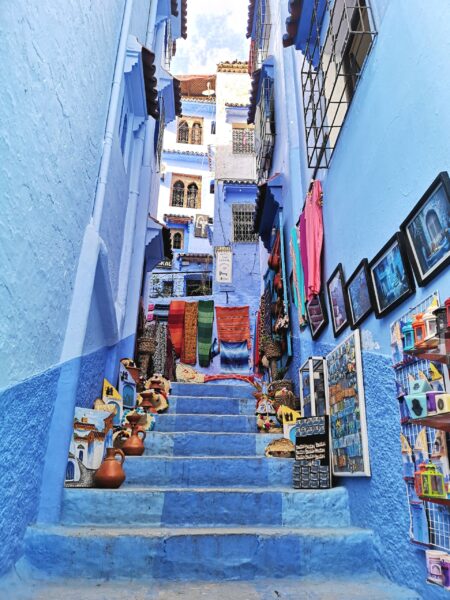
{"x":197,"y":554}
{"x":197,"y":507}
{"x":211,"y":405}
{"x":236,"y":471}
{"x":207,"y":444}
{"x":368,"y":586}
{"x":227,"y":390}
{"x":206,"y":423}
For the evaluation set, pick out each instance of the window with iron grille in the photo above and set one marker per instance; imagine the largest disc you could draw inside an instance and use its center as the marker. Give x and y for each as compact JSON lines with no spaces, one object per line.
{"x":183,"y":132}
{"x":196,"y":133}
{"x":186,"y":191}
{"x":177,"y":240}
{"x":243,"y":140}
{"x":178,"y":194}
{"x":243,"y":217}
{"x":265,"y":130}
{"x":167,"y":288}
{"x":333,"y":62}
{"x":259,"y":47}
{"x":192,"y":195}
{"x":199,"y":285}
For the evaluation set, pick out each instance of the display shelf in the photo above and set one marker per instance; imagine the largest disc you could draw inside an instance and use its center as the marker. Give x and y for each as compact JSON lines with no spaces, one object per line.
{"x":443,"y":501}
{"x":440,"y":421}
{"x":437,"y":350}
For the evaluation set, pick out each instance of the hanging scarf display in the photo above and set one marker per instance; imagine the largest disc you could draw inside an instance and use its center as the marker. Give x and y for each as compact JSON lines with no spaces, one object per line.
{"x":176,"y":324}
{"x":234,"y":357}
{"x":297,"y":271}
{"x":314,"y":238}
{"x":161,"y":312}
{"x":257,"y":343}
{"x":189,"y":350}
{"x":205,"y":328}
{"x":233,"y":324}
{"x":169,"y":367}
{"x":303,"y":251}
{"x":160,"y":354}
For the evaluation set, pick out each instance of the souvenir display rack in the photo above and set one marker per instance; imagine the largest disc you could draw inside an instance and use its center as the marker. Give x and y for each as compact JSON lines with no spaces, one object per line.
{"x":313,"y":376}
{"x":414,"y":365}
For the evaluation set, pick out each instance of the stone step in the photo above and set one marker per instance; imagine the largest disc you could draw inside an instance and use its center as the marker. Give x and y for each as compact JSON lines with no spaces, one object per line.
{"x":211,"y":405}
{"x":366,"y":586}
{"x":198,"y":554}
{"x":207,"y":444}
{"x":199,"y":390}
{"x":204,"y":471}
{"x":198,"y":507}
{"x":206,"y":423}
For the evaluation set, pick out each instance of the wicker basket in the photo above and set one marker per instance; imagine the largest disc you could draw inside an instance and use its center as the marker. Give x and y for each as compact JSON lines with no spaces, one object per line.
{"x":146,"y":345}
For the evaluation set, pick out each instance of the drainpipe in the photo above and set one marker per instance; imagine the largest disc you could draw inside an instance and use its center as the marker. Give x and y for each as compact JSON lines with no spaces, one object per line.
{"x":112,"y":116}
{"x":130,"y":224}
{"x":60,"y":429}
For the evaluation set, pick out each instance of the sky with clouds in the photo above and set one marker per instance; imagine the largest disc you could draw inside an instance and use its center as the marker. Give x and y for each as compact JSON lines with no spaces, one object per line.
{"x":216,"y":33}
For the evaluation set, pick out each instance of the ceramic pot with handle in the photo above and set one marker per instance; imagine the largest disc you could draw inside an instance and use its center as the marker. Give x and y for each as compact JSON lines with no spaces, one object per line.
{"x":134,"y":445}
{"x":110,"y":474}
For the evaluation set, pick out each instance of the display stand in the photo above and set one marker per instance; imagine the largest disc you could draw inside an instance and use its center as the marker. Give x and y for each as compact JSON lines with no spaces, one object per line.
{"x":313,"y":378}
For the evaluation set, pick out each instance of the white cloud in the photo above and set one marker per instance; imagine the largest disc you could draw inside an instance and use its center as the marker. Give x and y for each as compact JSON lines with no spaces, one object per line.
{"x":216,"y":32}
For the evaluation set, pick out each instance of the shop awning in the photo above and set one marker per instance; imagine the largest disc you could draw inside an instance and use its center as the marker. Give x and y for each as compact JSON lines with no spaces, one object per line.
{"x":150,"y":81}
{"x":251,"y":15}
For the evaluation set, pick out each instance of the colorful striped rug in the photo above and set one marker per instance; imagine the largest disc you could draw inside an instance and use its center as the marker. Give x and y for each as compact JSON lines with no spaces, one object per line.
{"x":161,"y":312}
{"x":234,"y":357}
{"x":189,"y":350}
{"x":205,"y":328}
{"x":176,"y":324}
{"x":233,"y":324}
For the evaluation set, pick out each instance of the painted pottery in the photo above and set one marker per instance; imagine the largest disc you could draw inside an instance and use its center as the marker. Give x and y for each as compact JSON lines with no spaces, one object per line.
{"x":110,"y":474}
{"x":134,"y":445}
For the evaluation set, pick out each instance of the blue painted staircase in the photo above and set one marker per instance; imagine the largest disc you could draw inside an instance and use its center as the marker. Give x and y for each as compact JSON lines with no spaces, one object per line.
{"x":204,"y":503}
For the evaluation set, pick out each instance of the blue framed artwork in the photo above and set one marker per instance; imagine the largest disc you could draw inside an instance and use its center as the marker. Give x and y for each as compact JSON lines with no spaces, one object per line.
{"x":391,"y":276}
{"x":359,"y":294}
{"x":427,"y":231}
{"x":338,"y":300}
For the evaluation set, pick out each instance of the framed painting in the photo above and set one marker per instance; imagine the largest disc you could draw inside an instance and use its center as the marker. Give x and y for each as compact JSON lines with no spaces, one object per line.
{"x":349,"y":443}
{"x":338,"y":300}
{"x":391,"y":276}
{"x":317,"y":315}
{"x":359,"y":294}
{"x":427,"y":231}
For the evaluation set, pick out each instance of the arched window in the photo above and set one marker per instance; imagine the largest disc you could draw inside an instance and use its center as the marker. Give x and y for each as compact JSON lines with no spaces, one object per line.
{"x":196,"y":134}
{"x":176,"y":241}
{"x":70,"y":471}
{"x":183,"y":133}
{"x":178,"y":194}
{"x":192,"y":195}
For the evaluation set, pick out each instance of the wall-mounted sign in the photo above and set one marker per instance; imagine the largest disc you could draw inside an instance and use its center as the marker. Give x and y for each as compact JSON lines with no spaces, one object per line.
{"x":201,"y":226}
{"x":224,"y":264}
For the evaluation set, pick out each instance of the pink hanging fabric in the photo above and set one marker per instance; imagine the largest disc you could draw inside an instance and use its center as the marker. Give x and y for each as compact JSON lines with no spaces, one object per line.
{"x":314,"y":238}
{"x":303,"y":251}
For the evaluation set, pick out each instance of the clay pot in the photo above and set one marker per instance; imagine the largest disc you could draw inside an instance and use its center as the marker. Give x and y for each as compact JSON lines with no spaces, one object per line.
{"x":133,"y":419}
{"x":110,"y":473}
{"x":134,"y":445}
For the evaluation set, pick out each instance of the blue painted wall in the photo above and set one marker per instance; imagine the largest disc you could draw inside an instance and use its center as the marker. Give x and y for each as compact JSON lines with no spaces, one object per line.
{"x":393,"y":144}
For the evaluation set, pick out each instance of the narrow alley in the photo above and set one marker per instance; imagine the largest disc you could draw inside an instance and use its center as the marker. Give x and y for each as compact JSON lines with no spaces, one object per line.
{"x":225,"y":293}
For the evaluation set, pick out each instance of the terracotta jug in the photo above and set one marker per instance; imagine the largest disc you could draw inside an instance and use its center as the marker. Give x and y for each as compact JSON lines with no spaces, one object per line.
{"x":110,"y":473}
{"x":134,"y":445}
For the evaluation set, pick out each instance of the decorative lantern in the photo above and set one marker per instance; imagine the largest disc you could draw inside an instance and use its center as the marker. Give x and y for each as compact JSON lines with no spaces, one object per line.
{"x":429,"y":318}
{"x":441,"y":321}
{"x":433,"y":482}
{"x":447,"y":308}
{"x":419,"y":329}
{"x":408,"y":336}
{"x":418,"y":479}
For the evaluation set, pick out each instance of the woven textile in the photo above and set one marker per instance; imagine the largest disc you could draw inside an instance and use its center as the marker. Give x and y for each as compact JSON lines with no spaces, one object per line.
{"x":161,"y":312}
{"x":266,"y":320}
{"x":176,"y":324}
{"x":257,"y":343}
{"x":297,"y":271}
{"x":234,"y":357}
{"x":233,"y":324}
{"x":205,"y":328}
{"x":160,"y":355}
{"x":169,"y":367}
{"x":189,"y":350}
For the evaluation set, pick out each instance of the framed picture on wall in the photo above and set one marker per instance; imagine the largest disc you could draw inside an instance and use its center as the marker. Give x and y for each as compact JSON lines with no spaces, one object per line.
{"x":338,"y":300}
{"x":391,"y":276}
{"x":317,"y":315}
{"x":349,"y":443}
{"x":359,"y":294}
{"x":427,"y":231}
